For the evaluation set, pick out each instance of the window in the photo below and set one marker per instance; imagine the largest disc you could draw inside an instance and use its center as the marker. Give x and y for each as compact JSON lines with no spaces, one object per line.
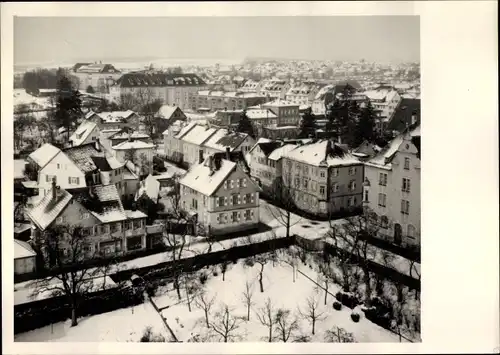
{"x":220,"y":218}
{"x":352,"y":171}
{"x":248,"y":215}
{"x":322,"y":190}
{"x":405,"y":207}
{"x":234,"y":216}
{"x":194,"y":204}
{"x":335,"y":172}
{"x":407,"y":163}
{"x":384,"y":222}
{"x":335,"y":187}
{"x":382,"y":200}
{"x":366,"y":195}
{"x":297,"y":182}
{"x":349,"y":202}
{"x":305,"y":183}
{"x":306,"y":170}
{"x":84,"y":215}
{"x":235,"y":199}
{"x":59,"y":166}
{"x":137,"y":224}
{"x":61,"y":219}
{"x":134,"y":243}
{"x":74,"y":180}
{"x":115,"y":227}
{"x":382,"y":179}
{"x":411,"y":231}
{"x":322,"y":173}
{"x":406,"y":185}
{"x":220,"y":201}
{"x":352,"y":185}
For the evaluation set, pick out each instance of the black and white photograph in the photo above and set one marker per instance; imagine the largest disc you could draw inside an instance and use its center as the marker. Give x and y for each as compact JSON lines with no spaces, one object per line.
{"x":218,"y":179}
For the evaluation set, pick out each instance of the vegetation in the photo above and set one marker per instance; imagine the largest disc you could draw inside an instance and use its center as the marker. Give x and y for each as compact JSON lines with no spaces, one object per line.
{"x":245,"y":125}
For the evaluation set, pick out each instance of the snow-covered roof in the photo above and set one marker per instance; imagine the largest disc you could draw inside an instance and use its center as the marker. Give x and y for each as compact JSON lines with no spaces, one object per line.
{"x":47,"y":209}
{"x":82,"y":156}
{"x":112,"y":206}
{"x":278,"y":153}
{"x":317,"y":153}
{"x":115,"y":116}
{"x":383,"y":157}
{"x":199,"y":178}
{"x":129,"y":171}
{"x":259,"y":114}
{"x":379,"y":94}
{"x":133,"y":145}
{"x":166,"y":111}
{"x":280,"y":103}
{"x":135,"y":214}
{"x":198,"y":135}
{"x":126,"y":135}
{"x":149,"y":186}
{"x":212,"y":141}
{"x":44,"y":154}
{"x":185,"y":130}
{"x":82,"y":132}
{"x":22,"y":250}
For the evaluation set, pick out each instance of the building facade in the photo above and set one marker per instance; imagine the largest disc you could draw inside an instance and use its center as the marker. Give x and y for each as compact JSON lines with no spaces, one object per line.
{"x":220,"y":100}
{"x":97,"y":75}
{"x":392,"y":189}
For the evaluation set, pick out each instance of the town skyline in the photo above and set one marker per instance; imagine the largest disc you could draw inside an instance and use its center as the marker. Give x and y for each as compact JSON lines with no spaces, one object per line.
{"x":372,"y":38}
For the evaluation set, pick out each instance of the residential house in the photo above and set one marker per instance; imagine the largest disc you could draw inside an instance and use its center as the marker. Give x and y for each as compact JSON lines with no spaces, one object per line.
{"x":221,"y":194}
{"x":287,"y":112}
{"x":171,"y":89}
{"x":24,"y":258}
{"x":114,"y":119}
{"x":251,"y":86}
{"x":140,"y":153}
{"x":407,"y":114}
{"x":323,"y":177}
{"x":192,"y":143}
{"x":97,"y":75}
{"x":98,"y":210}
{"x":127,"y":134}
{"x":87,"y":132}
{"x":384,"y":100}
{"x":275,"y":88}
{"x":392,"y":188}
{"x":150,"y":188}
{"x":172,"y":140}
{"x":276,"y":132}
{"x":167,"y":115}
{"x":222,"y":140}
{"x":303,"y":94}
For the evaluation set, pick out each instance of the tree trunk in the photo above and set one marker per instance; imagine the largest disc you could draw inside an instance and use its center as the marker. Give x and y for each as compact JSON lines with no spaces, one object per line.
{"x":74,"y":321}
{"x":288,"y":224}
{"x":270,"y":333}
{"x":326,"y":291}
{"x":177,"y":287}
{"x":368,"y":292}
{"x":260,"y":283}
{"x":313,"y":326}
{"x":223,"y":276}
{"x":248,"y":312}
{"x":293,"y":272}
{"x":206,"y":319}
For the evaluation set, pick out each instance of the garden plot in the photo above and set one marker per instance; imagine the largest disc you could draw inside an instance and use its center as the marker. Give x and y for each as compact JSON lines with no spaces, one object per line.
{"x":283,"y":292}
{"x":123,"y":325}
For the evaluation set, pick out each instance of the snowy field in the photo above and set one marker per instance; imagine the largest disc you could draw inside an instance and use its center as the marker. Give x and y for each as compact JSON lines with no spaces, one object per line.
{"x":123,"y":325}
{"x":21,"y":97}
{"x":283,"y":292}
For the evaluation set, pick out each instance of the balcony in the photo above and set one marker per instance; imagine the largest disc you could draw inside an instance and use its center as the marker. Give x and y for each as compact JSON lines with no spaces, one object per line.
{"x":134,"y":232}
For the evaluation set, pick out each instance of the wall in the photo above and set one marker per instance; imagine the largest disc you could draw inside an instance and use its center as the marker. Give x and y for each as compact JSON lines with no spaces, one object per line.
{"x":24,"y":265}
{"x":61,"y":167}
{"x":339,"y":200}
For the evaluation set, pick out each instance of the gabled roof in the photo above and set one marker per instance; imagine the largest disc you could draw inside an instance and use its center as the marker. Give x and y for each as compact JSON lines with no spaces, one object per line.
{"x":212,"y":141}
{"x":106,"y":163}
{"x":149,"y":186}
{"x":115,"y":116}
{"x":323,"y":152}
{"x":143,"y":79}
{"x":82,"y":156}
{"x":43,"y":155}
{"x":278,"y":153}
{"x":198,"y":135}
{"x":166,"y":111}
{"x":255,"y":114}
{"x":47,"y":210}
{"x":184,"y":130}
{"x":126,"y":134}
{"x":199,"y":178}
{"x":109,"y":209}
{"x":268,"y":147}
{"x":232,"y":140}
{"x":403,"y":114}
{"x":133,"y":145}
{"x":82,"y":132}
{"x":22,"y":250}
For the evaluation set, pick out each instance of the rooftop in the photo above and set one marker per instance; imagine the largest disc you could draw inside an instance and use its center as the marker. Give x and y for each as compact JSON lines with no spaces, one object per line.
{"x":323,"y":152}
{"x":199,"y":177}
{"x":44,"y":154}
{"x":145,"y":79}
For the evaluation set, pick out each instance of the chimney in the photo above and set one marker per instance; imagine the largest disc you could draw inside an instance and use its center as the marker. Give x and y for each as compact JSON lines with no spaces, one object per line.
{"x":133,"y":207}
{"x":211,"y":163}
{"x":97,"y":144}
{"x":228,"y":153}
{"x":413,"y":118}
{"x":200,"y":156}
{"x":54,"y":189}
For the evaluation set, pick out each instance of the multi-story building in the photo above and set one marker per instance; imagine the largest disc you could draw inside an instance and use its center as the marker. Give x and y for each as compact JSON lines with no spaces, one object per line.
{"x":87,"y":132}
{"x":287,"y":112}
{"x":221,"y":194}
{"x":97,"y":75}
{"x":192,"y":143}
{"x":140,"y":153}
{"x":127,"y":134}
{"x":167,"y":115}
{"x":223,"y":140}
{"x":170,"y":89}
{"x":275,"y":88}
{"x":251,"y":86}
{"x":323,"y":177}
{"x":172,"y":140}
{"x":107,"y":227}
{"x":384,"y":100}
{"x":220,"y":100}
{"x":392,"y":188}
{"x":265,"y":162}
{"x":303,"y":94}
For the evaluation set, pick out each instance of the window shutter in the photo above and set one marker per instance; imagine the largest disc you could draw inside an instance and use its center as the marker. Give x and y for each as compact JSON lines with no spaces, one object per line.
{"x":218,"y":219}
{"x":408,"y":185}
{"x":251,"y":214}
{"x":239,"y":199}
{"x":46,"y":178}
{"x":252,"y":199}
{"x":244,"y":199}
{"x":69,"y":180}
{"x":232,"y":184}
{"x":402,"y":205}
{"x":244,"y":182}
{"x":225,"y":217}
{"x":225,"y":185}
{"x":238,"y":183}
{"x":217,"y":202}
{"x":225,"y":201}
{"x":239,"y":216}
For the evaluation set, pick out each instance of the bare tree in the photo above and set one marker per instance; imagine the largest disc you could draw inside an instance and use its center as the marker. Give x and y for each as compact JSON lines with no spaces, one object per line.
{"x":190,"y":286}
{"x":225,"y":323}
{"x":338,"y":335}
{"x":324,"y":278}
{"x":311,"y":312}
{"x":202,"y":301}
{"x":286,"y":324}
{"x":267,"y":318}
{"x":415,"y":273}
{"x":68,"y":256}
{"x":247,"y":297}
{"x":282,"y":196}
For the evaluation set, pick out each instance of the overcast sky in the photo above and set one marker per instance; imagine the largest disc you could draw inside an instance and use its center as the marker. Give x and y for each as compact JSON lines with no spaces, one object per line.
{"x":374,"y":38}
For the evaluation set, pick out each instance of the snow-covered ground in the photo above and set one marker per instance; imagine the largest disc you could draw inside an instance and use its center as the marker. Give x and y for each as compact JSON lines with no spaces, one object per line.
{"x":22,"y":97}
{"x":123,"y":325}
{"x":283,"y":292}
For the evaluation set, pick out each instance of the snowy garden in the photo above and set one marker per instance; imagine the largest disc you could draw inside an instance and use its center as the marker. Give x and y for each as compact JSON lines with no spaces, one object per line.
{"x":278,"y":296}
